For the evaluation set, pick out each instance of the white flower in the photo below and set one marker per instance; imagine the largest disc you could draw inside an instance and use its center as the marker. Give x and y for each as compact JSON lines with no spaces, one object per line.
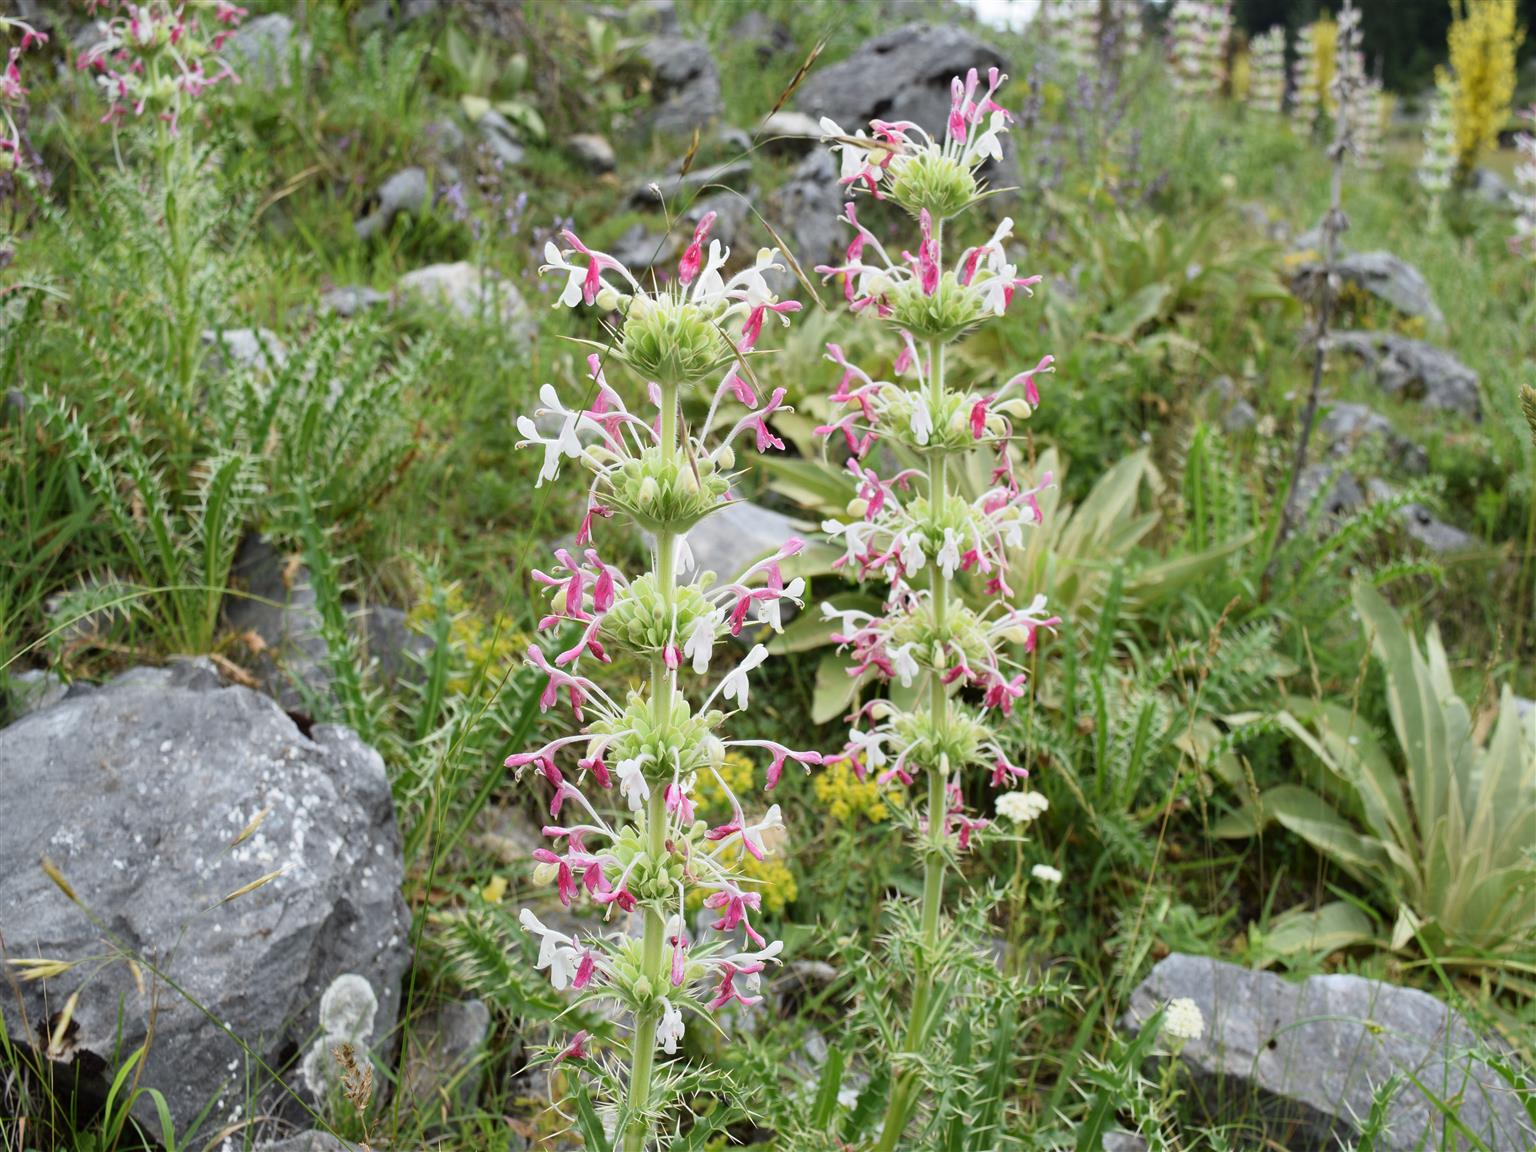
{"x":949,"y":555}
{"x":632,"y":785}
{"x":700,"y":643}
{"x":1183,"y":1020}
{"x":1022,"y":807}
{"x":906,"y":666}
{"x":556,"y":952}
{"x":734,"y":686}
{"x":922,"y":420}
{"x":670,"y":1030}
{"x":1046,"y":874}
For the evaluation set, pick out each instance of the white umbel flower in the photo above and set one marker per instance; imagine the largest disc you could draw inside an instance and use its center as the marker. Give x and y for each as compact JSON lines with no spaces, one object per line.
{"x":1046,"y":874}
{"x":1183,"y":1020}
{"x":1022,"y":807}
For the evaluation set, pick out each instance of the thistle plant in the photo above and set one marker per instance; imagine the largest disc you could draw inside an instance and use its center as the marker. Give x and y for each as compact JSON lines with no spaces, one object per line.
{"x":1347,"y":91}
{"x":1312,"y":72}
{"x":1524,"y":196}
{"x":1072,"y":30}
{"x":642,"y":752}
{"x":1200,"y":31}
{"x":153,"y":62}
{"x":1437,"y":164}
{"x":1266,"y":86}
{"x":913,"y":527}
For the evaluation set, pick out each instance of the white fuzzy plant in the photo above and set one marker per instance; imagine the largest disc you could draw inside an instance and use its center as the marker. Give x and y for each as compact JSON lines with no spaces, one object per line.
{"x":1266,"y":85}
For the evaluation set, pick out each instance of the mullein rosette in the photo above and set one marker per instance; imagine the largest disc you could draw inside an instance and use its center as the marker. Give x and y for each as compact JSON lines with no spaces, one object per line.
{"x":640,"y":754}
{"x":912,"y":527}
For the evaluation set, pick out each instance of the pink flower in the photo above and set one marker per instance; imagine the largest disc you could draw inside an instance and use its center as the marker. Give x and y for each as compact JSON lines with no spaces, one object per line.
{"x":693,"y":255}
{"x":928,"y":255}
{"x":575,"y":1050}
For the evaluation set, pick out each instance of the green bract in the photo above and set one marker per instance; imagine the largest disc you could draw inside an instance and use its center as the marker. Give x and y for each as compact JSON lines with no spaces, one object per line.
{"x":951,"y":746}
{"x":935,"y":182}
{"x":672,"y":342}
{"x":963,"y":632}
{"x":944,"y":317}
{"x":641,"y":620}
{"x":680,"y":743}
{"x":666,"y":492}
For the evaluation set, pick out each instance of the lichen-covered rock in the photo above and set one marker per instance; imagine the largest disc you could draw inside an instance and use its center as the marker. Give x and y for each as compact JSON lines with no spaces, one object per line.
{"x":685,"y":85}
{"x":471,"y":294}
{"x":902,"y":74}
{"x":1379,"y":274}
{"x":1345,"y":427}
{"x":1415,"y":370}
{"x":1303,"y":1061}
{"x":137,"y":793}
{"x":405,"y":191}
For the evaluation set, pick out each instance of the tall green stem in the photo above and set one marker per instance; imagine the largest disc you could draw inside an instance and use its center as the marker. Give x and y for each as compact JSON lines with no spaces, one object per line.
{"x":642,"y":1062}
{"x":907,"y":1082}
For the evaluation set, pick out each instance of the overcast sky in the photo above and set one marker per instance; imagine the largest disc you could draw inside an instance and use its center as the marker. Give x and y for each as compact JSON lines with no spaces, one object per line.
{"x":1005,"y":13}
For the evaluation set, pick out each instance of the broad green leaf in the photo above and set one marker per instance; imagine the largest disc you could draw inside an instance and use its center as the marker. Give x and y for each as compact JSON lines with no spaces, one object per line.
{"x":1309,"y":816}
{"x":1335,"y":925}
{"x":834,"y":688}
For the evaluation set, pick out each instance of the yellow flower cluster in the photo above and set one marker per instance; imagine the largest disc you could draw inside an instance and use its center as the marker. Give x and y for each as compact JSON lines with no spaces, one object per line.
{"x":846,"y":797}
{"x":771,"y":876}
{"x":492,"y":644}
{"x":1483,"y":41}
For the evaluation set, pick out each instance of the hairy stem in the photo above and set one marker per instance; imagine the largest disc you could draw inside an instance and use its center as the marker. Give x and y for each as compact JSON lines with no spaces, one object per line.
{"x":642,"y":1062}
{"x":906,"y":1084}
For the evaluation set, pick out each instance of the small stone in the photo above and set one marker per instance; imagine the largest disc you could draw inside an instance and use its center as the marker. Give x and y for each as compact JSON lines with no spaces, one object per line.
{"x":1393,"y":281}
{"x":731,"y":540}
{"x":446,"y":134}
{"x":244,"y":348}
{"x":405,"y":191}
{"x":500,"y":137}
{"x":1422,"y":526}
{"x":685,"y":85}
{"x":1343,"y":494}
{"x":471,"y":294}
{"x":1300,"y":1063}
{"x":1346,"y":426}
{"x":262,"y":49}
{"x":351,"y":299}
{"x":30,"y":691}
{"x":1416,"y":370}
{"x":645,"y":193}
{"x":1119,"y":1141}
{"x":593,"y":152}
{"x":445,"y":1047}
{"x":787,"y":131}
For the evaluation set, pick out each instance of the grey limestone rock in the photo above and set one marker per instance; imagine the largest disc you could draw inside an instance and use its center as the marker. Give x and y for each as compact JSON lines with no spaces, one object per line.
{"x":137,"y":793}
{"x":1305,"y":1059}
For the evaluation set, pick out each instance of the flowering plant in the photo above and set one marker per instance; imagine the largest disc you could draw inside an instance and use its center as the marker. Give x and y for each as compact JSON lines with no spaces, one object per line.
{"x":1524,"y":239}
{"x":912,"y":527}
{"x":152,"y":58}
{"x":653,"y":746}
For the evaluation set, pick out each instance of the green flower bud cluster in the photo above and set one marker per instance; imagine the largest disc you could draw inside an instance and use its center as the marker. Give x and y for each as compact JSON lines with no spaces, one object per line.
{"x":652,"y":880}
{"x":957,"y":516}
{"x":663,"y":491}
{"x":934,"y":645}
{"x":948,"y":429}
{"x":673,"y":341}
{"x":641,"y":621}
{"x":934,"y":182}
{"x":681,"y":742}
{"x":640,"y":992}
{"x":944,"y":317}
{"x":950,"y":746}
